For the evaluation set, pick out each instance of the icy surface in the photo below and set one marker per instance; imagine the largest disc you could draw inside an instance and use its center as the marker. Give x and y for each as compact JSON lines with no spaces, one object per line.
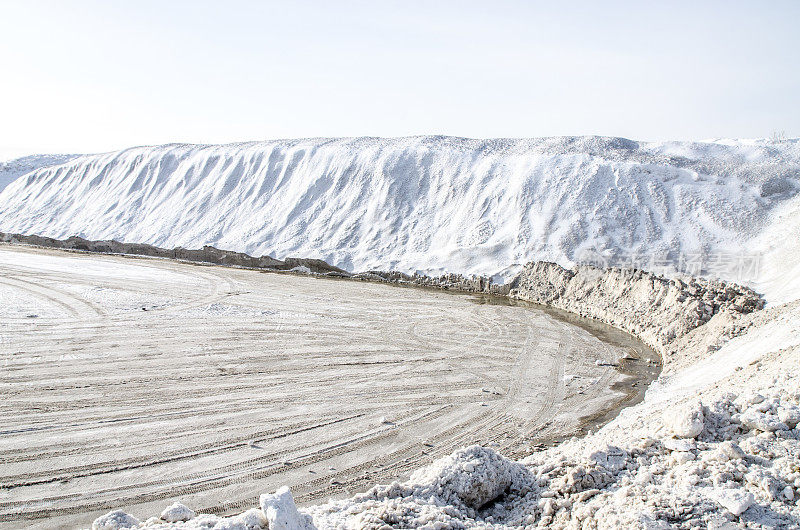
{"x":431,"y":204}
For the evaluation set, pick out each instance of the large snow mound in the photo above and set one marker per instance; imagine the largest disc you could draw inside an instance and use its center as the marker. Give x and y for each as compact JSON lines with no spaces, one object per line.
{"x":429,"y":204}
{"x":11,"y":170}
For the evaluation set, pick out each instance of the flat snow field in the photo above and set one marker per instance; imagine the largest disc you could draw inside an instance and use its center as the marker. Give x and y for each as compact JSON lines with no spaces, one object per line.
{"x":136,"y":382}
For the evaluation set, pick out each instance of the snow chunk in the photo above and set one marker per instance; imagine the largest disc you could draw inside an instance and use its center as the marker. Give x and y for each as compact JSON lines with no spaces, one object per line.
{"x":473,"y":475}
{"x":679,"y":445}
{"x":685,"y":421}
{"x":790,"y":415}
{"x":610,"y":457}
{"x":281,"y":512}
{"x":736,"y":501}
{"x":731,"y":450}
{"x":116,"y":520}
{"x":177,"y":513}
{"x":757,"y":420}
{"x":252,"y":518}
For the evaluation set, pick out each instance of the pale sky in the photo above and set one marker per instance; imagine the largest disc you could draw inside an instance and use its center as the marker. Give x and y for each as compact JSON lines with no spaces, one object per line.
{"x":92,"y":76}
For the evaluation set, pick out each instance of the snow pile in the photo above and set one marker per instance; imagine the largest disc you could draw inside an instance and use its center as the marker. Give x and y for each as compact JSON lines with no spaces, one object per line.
{"x":450,"y":493}
{"x":430,"y":204}
{"x":472,"y":476}
{"x":180,"y":517}
{"x":115,"y":520}
{"x":177,"y":513}
{"x":11,"y":170}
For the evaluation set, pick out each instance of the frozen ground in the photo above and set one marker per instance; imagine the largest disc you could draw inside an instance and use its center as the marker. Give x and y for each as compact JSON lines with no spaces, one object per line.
{"x":431,"y":204}
{"x":136,"y":382}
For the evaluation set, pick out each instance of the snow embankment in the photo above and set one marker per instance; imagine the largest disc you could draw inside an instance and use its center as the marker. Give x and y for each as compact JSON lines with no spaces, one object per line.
{"x":663,"y":313}
{"x":11,"y":170}
{"x":429,"y":204}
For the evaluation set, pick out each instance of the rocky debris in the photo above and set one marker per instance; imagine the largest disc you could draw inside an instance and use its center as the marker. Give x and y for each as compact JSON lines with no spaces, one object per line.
{"x":207,"y":254}
{"x":658,"y":310}
{"x":458,"y":282}
{"x":315,"y":266}
{"x":730,"y":450}
{"x":454,"y":282}
{"x":384,"y":276}
{"x":735,"y":500}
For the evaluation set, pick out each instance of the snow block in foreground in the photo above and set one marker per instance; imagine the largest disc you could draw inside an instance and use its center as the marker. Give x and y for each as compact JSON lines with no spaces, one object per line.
{"x":472,"y":475}
{"x":281,"y":512}
{"x":735,"y":500}
{"x":685,"y":421}
{"x":116,"y":520}
{"x":177,"y":513}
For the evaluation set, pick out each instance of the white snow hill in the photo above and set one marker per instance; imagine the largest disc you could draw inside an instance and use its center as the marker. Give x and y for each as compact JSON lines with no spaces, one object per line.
{"x":429,"y":204}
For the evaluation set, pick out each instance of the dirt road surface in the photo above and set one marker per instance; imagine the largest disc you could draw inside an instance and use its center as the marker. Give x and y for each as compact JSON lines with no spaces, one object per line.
{"x":135,"y":382}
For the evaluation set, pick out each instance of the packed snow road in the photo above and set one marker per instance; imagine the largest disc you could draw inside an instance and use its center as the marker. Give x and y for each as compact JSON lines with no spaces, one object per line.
{"x":134,"y":382}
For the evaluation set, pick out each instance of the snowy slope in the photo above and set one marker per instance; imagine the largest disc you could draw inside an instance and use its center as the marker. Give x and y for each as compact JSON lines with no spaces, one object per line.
{"x":11,"y":170}
{"x":778,"y":245}
{"x":423,"y":203}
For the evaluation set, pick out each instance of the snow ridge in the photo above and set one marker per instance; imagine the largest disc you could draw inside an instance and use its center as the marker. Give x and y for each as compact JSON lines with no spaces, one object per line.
{"x":427,"y":204}
{"x":11,"y":170}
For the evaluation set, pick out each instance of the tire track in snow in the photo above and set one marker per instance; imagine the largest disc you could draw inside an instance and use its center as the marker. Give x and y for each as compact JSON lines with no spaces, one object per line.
{"x":240,"y":381}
